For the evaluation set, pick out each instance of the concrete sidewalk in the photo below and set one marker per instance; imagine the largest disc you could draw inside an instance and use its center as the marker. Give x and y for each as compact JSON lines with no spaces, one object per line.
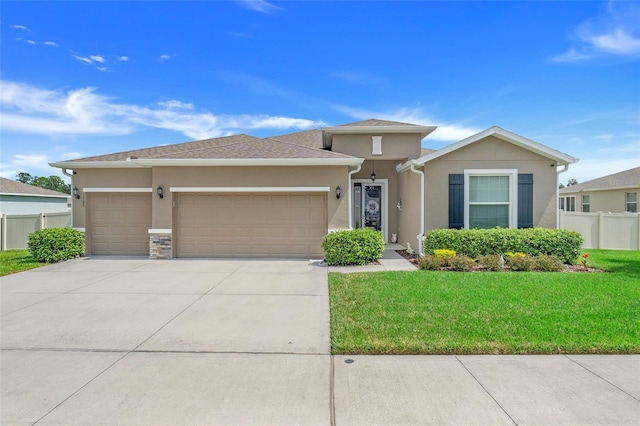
{"x":135,"y":341}
{"x":390,"y":261}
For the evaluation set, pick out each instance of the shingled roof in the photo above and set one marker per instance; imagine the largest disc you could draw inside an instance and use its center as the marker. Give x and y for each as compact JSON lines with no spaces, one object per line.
{"x":375,"y":122}
{"x":12,"y":187}
{"x":626,"y":179}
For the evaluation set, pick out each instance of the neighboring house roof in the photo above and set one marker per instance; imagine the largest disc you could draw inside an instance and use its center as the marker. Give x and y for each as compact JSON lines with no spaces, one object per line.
{"x":12,"y":187}
{"x":425,"y":151}
{"x":505,"y":135}
{"x":622,"y":180}
{"x":375,"y":122}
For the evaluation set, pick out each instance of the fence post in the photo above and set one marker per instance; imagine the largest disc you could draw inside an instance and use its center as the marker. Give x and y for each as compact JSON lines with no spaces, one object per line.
{"x":3,"y":234}
{"x":600,"y":229}
{"x":638,"y":240}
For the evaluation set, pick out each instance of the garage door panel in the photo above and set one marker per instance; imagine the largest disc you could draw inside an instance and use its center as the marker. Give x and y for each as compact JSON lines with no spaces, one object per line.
{"x":251,"y":225}
{"x":119,"y":223}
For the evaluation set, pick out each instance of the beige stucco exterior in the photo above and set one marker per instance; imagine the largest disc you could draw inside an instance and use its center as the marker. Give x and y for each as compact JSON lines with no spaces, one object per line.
{"x":409,"y":215}
{"x":394,"y":146}
{"x":610,"y":200}
{"x":490,"y":153}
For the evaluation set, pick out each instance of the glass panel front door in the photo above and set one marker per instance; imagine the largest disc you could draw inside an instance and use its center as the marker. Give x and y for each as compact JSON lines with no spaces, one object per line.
{"x":372,"y":206}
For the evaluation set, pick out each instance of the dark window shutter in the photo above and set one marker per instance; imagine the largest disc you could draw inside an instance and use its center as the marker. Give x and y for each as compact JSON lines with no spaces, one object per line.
{"x":525,"y":200}
{"x":456,"y":201}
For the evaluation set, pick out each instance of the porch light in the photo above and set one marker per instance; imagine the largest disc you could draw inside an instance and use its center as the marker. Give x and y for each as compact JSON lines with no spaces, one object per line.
{"x":160,"y":191}
{"x":338,"y":192}
{"x":373,"y":171}
{"x":76,"y":193}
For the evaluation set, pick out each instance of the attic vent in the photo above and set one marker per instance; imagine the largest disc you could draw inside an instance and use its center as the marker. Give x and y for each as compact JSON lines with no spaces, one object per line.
{"x":377,"y":145}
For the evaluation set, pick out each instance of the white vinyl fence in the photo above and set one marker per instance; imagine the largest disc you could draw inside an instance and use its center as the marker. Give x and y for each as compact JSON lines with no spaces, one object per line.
{"x":15,"y":228}
{"x":618,"y":231}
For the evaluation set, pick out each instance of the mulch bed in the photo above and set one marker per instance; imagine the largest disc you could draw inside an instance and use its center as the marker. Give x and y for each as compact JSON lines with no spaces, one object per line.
{"x":413,"y":258}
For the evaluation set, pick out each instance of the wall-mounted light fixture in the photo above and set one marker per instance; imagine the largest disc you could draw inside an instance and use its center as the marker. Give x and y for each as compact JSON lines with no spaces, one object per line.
{"x":399,"y":205}
{"x":160,"y":191}
{"x":373,"y":171}
{"x":76,"y":193}
{"x":338,"y":192}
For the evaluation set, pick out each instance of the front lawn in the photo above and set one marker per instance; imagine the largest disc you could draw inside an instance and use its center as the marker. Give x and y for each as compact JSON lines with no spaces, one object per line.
{"x":438,"y":312}
{"x":12,"y":261}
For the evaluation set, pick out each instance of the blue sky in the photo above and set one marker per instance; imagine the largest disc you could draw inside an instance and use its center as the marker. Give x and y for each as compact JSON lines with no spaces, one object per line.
{"x":85,"y":78}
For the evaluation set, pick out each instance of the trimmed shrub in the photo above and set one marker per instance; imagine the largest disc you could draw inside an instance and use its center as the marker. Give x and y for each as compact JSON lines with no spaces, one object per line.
{"x":444,"y":255}
{"x":353,"y":247}
{"x":461,"y":263}
{"x":491,"y":262}
{"x":429,"y":263}
{"x":56,"y":244}
{"x":532,"y":241}
{"x":520,"y":261}
{"x":544,"y":262}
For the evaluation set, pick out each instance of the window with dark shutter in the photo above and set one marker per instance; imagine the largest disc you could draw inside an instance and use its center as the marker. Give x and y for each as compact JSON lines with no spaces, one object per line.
{"x":525,"y":200}
{"x":456,"y":201}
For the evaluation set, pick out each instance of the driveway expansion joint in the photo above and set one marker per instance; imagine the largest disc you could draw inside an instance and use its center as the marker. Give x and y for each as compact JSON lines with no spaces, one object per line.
{"x":600,"y":377}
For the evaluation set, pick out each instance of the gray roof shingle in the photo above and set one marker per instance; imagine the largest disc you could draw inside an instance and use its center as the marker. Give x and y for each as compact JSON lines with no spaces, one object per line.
{"x":8,"y":186}
{"x":376,"y":122}
{"x":625,"y":179}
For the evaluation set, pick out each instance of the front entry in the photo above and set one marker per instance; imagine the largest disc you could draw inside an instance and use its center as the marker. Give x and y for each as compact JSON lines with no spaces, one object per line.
{"x":370,"y":206}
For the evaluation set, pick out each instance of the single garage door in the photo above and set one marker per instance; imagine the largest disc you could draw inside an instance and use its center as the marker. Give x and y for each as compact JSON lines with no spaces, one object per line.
{"x":251,"y":224}
{"x":119,"y":223}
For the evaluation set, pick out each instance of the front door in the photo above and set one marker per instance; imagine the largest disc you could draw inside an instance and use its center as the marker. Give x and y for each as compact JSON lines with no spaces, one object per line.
{"x":369,"y":206}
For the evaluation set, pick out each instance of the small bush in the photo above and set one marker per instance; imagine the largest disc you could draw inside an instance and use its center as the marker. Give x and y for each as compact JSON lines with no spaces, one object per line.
{"x":491,"y":262}
{"x":353,"y":247}
{"x":56,"y":244}
{"x":544,"y":262}
{"x":429,"y":263}
{"x":444,"y":253}
{"x":461,"y":263}
{"x":520,"y":262}
{"x":532,"y":241}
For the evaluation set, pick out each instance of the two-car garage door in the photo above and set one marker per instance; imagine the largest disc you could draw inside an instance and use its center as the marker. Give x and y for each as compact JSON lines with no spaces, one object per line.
{"x":250,"y":224}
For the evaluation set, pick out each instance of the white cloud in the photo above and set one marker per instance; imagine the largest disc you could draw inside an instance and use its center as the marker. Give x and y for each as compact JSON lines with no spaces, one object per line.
{"x":258,"y":5}
{"x":165,"y":57}
{"x":51,"y":43}
{"x":103,"y":69}
{"x":614,"y":33}
{"x":446,"y":132}
{"x":123,"y":58}
{"x":98,"y":58}
{"x":30,"y":110}
{"x":26,"y":41}
{"x":21,"y":28}
{"x":356,"y":77}
{"x":83,"y":59}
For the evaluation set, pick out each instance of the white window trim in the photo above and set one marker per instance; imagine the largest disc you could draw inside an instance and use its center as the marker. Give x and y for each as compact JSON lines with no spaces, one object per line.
{"x":566,"y":204}
{"x":250,"y":189}
{"x":117,"y":190}
{"x":513,"y":191}
{"x":385,"y":202}
{"x":627,"y":202}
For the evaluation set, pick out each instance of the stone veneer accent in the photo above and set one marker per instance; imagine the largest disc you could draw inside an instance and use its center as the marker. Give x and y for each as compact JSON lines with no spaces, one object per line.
{"x":160,"y":246}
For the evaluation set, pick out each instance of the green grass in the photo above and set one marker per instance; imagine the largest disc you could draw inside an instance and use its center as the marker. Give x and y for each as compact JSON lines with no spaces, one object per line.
{"x":12,"y":261}
{"x":438,"y":312}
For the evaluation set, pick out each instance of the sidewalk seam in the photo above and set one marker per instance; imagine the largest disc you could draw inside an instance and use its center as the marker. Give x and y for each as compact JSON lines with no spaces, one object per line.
{"x":486,"y":390}
{"x":600,"y":377}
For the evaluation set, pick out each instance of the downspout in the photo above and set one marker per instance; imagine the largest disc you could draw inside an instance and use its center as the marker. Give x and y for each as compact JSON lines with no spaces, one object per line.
{"x":420,"y":236}
{"x":351,"y":173}
{"x":73,"y":199}
{"x":558,"y":172}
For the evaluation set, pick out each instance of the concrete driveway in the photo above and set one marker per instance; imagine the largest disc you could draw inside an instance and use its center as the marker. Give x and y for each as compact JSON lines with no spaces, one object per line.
{"x":135,"y":341}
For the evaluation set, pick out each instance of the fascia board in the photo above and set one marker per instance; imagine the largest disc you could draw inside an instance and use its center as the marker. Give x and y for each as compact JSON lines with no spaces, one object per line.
{"x":211,"y":162}
{"x":348,"y":130}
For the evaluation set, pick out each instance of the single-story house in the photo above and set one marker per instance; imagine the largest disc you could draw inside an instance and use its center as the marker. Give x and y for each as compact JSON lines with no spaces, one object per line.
{"x":244,"y":196}
{"x":17,"y":198}
{"x":615,"y":193}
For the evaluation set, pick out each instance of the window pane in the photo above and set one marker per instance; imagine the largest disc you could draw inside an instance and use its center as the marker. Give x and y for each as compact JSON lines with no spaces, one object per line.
{"x":632,"y":197}
{"x":585,"y":199}
{"x":488,"y":189}
{"x":488,"y":216}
